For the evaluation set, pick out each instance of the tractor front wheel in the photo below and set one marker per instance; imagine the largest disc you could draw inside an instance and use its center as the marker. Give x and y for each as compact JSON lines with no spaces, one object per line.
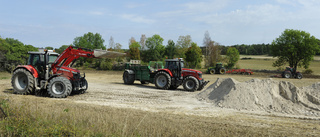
{"x":299,"y":75}
{"x":163,"y":80}
{"x":190,"y":83}
{"x":22,"y":82}
{"x":59,"y":87}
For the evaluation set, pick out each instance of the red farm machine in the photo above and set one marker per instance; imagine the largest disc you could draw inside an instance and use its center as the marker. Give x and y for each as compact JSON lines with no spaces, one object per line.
{"x":240,"y":71}
{"x":170,"y":76}
{"x":290,"y":72}
{"x":52,"y":73}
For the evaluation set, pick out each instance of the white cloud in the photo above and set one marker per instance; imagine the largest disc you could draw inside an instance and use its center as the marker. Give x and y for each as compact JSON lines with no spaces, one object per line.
{"x":134,"y":5}
{"x":287,"y":2}
{"x":136,"y":18}
{"x":206,"y":6}
{"x":96,"y":13}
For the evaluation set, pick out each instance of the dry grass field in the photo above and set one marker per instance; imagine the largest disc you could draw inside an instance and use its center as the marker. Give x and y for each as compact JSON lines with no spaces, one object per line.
{"x":263,"y":62}
{"x":110,"y":108}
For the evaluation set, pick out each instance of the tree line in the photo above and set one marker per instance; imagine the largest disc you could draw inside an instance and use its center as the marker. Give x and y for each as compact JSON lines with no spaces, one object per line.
{"x":13,"y":52}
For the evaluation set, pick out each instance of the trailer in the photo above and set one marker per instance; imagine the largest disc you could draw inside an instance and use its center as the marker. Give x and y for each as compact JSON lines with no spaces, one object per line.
{"x":145,"y":74}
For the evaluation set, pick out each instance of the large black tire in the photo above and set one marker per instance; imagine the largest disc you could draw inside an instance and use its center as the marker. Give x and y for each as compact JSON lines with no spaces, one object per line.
{"x":299,"y":75}
{"x":162,"y":80}
{"x":212,"y":71}
{"x":59,"y":87}
{"x":286,"y":74}
{"x":190,"y":83}
{"x":222,"y":71}
{"x":22,"y":82}
{"x":128,"y":78}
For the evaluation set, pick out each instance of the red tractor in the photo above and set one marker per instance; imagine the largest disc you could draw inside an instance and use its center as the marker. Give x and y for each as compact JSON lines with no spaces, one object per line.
{"x":291,"y":73}
{"x":169,"y":77}
{"x":48,"y":71}
{"x":174,"y":74}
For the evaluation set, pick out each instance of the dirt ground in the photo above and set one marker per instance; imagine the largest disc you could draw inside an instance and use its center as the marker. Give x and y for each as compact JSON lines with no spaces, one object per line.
{"x":106,"y":88}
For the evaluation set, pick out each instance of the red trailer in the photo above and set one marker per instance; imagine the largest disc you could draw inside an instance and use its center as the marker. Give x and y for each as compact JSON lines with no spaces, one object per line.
{"x":240,"y":71}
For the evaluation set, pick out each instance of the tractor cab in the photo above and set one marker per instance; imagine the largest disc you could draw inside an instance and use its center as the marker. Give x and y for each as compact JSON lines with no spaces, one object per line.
{"x":39,"y":60}
{"x":175,"y":66}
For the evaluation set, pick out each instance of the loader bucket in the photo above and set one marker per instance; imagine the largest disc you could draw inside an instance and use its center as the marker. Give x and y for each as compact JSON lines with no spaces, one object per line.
{"x":98,"y":53}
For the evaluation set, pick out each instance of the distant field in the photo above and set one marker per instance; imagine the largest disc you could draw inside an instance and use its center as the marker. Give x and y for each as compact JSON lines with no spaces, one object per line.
{"x":261,"y":62}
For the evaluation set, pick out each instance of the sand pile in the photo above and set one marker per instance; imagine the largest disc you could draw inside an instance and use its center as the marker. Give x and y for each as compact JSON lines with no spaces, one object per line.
{"x":264,"y":95}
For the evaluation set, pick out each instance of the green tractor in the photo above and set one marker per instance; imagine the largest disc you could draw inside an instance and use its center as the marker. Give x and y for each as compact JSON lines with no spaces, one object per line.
{"x":218,"y":69}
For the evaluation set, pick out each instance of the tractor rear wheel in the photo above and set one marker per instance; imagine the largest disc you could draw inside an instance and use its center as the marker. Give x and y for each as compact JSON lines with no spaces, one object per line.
{"x":222,"y":71}
{"x":163,"y":80}
{"x":212,"y":71}
{"x":190,"y":83}
{"x":22,"y":82}
{"x":128,"y":78}
{"x":299,"y":75}
{"x":59,"y":87}
{"x":287,"y":74}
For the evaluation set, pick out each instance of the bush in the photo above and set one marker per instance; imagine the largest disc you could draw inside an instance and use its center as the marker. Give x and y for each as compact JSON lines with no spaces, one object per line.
{"x":308,"y":71}
{"x":106,"y":65}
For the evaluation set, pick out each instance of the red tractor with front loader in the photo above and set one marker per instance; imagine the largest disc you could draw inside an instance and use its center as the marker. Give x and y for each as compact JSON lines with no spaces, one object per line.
{"x":50,"y":72}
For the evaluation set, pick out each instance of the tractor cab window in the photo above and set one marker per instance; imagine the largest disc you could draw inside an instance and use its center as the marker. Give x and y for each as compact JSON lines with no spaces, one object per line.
{"x":174,"y":64}
{"x":34,"y":59}
{"x":52,"y":58}
{"x":182,"y":64}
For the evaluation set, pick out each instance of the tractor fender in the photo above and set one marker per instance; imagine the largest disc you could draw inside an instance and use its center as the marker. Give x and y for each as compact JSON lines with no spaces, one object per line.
{"x":29,"y":68}
{"x":167,"y":71}
{"x":129,"y":71}
{"x":56,"y":75}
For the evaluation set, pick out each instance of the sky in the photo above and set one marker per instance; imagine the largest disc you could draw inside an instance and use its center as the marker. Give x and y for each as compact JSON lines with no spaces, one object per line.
{"x":43,"y":23}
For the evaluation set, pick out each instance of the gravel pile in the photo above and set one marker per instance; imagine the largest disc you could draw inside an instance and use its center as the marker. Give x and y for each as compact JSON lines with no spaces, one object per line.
{"x":264,"y":95}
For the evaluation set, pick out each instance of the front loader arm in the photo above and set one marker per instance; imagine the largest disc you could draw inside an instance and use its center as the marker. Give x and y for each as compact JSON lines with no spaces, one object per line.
{"x":70,"y":54}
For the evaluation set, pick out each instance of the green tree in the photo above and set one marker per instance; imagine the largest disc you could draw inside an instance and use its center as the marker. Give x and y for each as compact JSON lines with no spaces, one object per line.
{"x":49,"y":48}
{"x":171,"y":49}
{"x":90,"y":41}
{"x":13,"y":52}
{"x":155,"y":49}
{"x":294,"y":47}
{"x":183,"y":43}
{"x":232,"y":56}
{"x":16,"y":51}
{"x":134,"y":51}
{"x":62,"y":48}
{"x":194,"y":55}
{"x":214,"y":54}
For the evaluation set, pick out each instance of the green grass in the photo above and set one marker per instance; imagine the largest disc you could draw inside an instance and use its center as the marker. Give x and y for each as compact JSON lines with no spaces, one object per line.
{"x":34,"y":116}
{"x":5,"y":75}
{"x":263,"y":62}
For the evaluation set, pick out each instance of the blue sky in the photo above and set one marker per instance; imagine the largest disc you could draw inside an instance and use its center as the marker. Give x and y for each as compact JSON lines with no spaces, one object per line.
{"x":44,"y":23}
